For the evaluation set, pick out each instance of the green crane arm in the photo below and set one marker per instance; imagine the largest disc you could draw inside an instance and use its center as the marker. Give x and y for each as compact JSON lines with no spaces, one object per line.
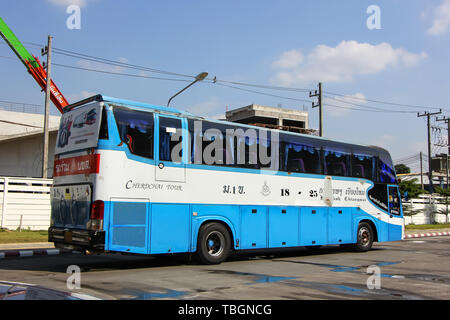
{"x":33,"y":65}
{"x":16,"y":46}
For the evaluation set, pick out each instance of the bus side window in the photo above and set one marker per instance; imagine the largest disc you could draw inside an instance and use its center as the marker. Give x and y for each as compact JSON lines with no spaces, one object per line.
{"x":299,"y":155}
{"x":267,"y":153}
{"x":301,"y":158}
{"x":136,"y":130}
{"x":362,"y":166}
{"x":336,"y":163}
{"x":170,"y":137}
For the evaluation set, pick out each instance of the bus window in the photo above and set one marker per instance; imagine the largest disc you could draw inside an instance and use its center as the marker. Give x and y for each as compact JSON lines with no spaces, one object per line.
{"x":103,"y":134}
{"x":136,"y":130}
{"x":362,"y":166}
{"x":213,"y":144}
{"x":336,"y":163}
{"x":300,"y":158}
{"x":249,"y":142}
{"x":386,"y":173}
{"x":394,"y":201}
{"x":170,"y":136}
{"x":267,"y":151}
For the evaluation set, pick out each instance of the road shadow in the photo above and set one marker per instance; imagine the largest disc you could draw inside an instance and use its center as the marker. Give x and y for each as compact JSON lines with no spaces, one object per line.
{"x":118,"y":261}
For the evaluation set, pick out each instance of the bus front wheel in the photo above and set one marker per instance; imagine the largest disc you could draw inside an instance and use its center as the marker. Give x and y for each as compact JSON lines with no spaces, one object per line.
{"x":365,"y":238}
{"x":213,"y":243}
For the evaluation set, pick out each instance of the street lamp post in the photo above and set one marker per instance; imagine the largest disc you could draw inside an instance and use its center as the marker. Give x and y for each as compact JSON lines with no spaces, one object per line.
{"x":198,"y":78}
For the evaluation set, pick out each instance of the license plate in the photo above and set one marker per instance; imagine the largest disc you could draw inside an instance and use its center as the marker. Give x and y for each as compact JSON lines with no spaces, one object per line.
{"x":67,"y":236}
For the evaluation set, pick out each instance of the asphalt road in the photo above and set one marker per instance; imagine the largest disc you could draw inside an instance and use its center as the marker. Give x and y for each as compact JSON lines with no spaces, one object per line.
{"x":408,"y":269}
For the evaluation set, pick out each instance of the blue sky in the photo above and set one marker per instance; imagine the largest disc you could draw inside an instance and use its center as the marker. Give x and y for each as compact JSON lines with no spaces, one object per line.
{"x":282,"y":43}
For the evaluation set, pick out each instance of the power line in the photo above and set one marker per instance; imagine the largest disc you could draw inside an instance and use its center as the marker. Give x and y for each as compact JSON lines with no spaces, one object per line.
{"x":118,"y":73}
{"x":230,"y":84}
{"x":376,"y":110}
{"x":142,"y":68}
{"x":383,"y":102}
{"x":407,"y":158}
{"x":117,"y":63}
{"x":215,"y":80}
{"x":222,"y":84}
{"x":367,"y":107}
{"x":263,"y":93}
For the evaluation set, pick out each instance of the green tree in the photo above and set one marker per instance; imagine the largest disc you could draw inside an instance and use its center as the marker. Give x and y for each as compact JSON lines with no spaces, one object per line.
{"x":442,"y":192}
{"x":402,"y":168}
{"x":446,"y":194}
{"x":412,"y":186}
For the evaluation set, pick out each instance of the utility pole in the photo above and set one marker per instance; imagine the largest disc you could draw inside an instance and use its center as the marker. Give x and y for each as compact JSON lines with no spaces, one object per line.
{"x":446,"y":120}
{"x":421,"y":171}
{"x":430,"y":173}
{"x":47,"y":51}
{"x":319,"y":104}
{"x":448,"y":131}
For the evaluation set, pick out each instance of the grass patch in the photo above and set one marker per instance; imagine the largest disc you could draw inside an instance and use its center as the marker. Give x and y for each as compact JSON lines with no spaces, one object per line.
{"x":10,"y":236}
{"x":427,"y":226}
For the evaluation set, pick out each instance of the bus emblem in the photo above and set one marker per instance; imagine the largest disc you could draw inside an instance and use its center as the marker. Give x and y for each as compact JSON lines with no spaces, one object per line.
{"x":265,"y":189}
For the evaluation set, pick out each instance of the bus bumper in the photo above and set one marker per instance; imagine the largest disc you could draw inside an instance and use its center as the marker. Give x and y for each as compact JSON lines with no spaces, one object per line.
{"x":77,"y":239}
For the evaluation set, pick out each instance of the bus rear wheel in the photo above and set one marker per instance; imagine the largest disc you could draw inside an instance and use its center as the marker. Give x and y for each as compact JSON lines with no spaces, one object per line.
{"x":213,"y":243}
{"x":365,"y":238}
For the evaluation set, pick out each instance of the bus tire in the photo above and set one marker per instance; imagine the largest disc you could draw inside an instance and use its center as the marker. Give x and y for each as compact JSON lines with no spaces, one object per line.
{"x":364,"y":238}
{"x":213,"y":243}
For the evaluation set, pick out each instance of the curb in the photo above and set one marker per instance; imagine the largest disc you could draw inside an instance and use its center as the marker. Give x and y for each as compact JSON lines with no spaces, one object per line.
{"x":428,"y":234}
{"x":31,"y":253}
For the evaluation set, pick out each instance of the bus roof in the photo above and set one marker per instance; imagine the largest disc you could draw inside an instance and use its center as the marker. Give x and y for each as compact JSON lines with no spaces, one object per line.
{"x":103,"y":98}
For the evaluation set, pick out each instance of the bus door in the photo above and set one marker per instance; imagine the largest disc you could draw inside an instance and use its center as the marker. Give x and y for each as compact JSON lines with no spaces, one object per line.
{"x":170,"y":222}
{"x":171,"y":155}
{"x":395,"y":213}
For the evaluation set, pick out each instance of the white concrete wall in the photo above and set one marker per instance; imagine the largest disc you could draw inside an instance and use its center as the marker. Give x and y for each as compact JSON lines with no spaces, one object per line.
{"x":22,"y":157}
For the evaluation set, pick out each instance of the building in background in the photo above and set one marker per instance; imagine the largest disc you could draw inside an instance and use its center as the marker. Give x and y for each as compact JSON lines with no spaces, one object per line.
{"x":272,"y":117}
{"x":21,"y":143}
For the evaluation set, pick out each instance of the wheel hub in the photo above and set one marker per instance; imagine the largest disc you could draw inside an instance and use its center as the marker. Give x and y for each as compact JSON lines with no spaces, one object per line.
{"x":215,"y":243}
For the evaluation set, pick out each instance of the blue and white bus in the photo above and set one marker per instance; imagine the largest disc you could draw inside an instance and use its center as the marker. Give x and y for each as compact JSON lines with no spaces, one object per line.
{"x":150,"y":180}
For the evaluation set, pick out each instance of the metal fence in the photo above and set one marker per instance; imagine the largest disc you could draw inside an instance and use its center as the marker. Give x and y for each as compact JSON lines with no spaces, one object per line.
{"x":25,"y":203}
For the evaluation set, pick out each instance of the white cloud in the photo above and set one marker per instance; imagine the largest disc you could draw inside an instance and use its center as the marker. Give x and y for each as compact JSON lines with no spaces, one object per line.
{"x":339,"y":106}
{"x":289,"y":59}
{"x":441,"y":21}
{"x":343,"y":62}
{"x":66,"y":3}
